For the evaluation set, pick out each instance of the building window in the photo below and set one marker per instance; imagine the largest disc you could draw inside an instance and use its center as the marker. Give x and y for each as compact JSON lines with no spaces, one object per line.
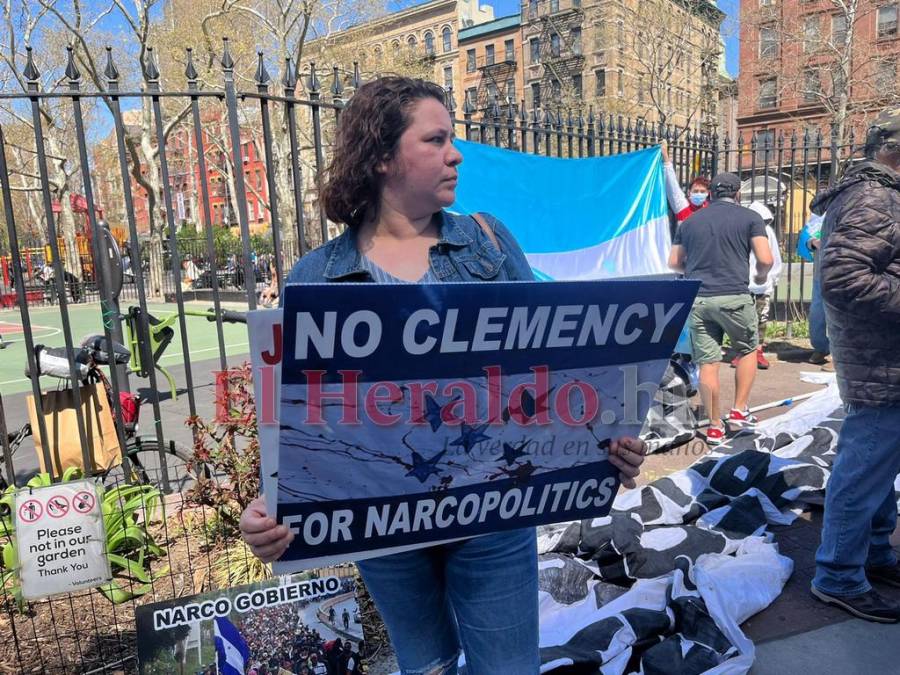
{"x":554,"y":45}
{"x":887,"y":21}
{"x":768,"y":93}
{"x":576,"y":41}
{"x":600,"y":83}
{"x":493,"y":93}
{"x":640,"y":90}
{"x":470,"y":60}
{"x":554,"y":5}
{"x":470,"y":96}
{"x":412,"y":44}
{"x":489,"y":55}
{"x":620,"y":31}
{"x":509,"y":50}
{"x":812,"y":86}
{"x":448,"y":77}
{"x":839,"y":30}
{"x":511,"y":90}
{"x":535,"y":94}
{"x":768,"y":42}
{"x":765,"y":145}
{"x":447,"y":40}
{"x":811,"y":33}
{"x":766,"y":3}
{"x":429,"y":44}
{"x":535,"y":45}
{"x":885,"y":77}
{"x":532,"y":8}
{"x":576,"y":86}
{"x":556,"y":89}
{"x":621,"y":83}
{"x":395,"y":48}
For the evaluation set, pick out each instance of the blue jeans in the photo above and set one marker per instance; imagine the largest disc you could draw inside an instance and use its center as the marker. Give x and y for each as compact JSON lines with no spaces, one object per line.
{"x":480,"y":594}
{"x":818,"y":333}
{"x":860,"y":504}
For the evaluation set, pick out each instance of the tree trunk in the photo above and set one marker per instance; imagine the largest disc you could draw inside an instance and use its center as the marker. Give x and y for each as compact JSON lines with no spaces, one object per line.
{"x":157,"y":265}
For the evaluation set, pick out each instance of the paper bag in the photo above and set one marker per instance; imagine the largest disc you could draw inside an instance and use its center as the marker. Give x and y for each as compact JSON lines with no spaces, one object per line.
{"x":62,"y":429}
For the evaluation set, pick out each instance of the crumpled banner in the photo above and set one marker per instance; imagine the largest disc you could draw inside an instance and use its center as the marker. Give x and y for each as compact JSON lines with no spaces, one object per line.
{"x":663,"y":583}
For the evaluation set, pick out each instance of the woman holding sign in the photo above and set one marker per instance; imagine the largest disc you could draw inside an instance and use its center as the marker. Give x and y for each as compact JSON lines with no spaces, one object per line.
{"x":393,"y":173}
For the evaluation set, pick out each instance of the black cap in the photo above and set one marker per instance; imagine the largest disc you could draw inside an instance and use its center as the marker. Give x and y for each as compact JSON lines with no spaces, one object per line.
{"x":724,"y":184}
{"x":885,"y":128}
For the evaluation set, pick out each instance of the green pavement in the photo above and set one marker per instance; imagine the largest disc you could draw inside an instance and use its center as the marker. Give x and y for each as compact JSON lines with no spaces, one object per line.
{"x":46,"y":323}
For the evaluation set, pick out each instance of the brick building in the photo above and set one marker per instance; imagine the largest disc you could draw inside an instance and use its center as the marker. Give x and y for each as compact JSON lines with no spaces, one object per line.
{"x":807,"y":65}
{"x":490,"y":65}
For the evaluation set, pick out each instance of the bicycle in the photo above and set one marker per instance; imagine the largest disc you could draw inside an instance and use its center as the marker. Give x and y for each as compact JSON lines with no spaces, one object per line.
{"x":145,"y":457}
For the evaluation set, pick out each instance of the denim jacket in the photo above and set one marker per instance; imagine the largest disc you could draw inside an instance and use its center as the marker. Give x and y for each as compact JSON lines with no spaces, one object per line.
{"x":463,"y":253}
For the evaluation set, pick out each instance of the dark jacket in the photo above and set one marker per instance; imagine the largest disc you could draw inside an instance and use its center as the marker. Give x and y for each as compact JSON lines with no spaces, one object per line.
{"x":860,"y":279}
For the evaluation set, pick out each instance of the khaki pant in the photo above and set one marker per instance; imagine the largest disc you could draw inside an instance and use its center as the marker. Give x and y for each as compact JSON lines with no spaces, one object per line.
{"x":712,"y":318}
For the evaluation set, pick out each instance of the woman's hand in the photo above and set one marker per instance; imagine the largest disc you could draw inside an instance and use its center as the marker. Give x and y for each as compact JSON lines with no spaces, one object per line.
{"x":263,"y":535}
{"x":626,"y":454}
{"x":665,"y":151}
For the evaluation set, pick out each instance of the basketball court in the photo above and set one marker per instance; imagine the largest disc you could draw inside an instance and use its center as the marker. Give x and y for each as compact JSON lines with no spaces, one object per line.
{"x":46,"y":326}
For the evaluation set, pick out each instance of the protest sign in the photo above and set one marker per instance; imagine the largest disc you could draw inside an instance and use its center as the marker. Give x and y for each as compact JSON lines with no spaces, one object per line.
{"x":264,"y":328}
{"x":273,"y":618}
{"x":427,"y":413}
{"x":60,"y":539}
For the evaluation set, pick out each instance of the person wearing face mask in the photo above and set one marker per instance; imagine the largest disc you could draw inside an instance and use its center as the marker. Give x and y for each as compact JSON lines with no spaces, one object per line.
{"x":698,"y":193}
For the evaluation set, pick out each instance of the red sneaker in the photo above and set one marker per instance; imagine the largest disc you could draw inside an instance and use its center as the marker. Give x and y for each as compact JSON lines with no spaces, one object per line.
{"x":761,"y":361}
{"x":715,"y":435}
{"x":742,"y":419}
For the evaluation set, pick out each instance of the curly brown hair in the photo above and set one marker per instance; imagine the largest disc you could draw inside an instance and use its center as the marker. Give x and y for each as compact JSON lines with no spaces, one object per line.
{"x":368,"y":133}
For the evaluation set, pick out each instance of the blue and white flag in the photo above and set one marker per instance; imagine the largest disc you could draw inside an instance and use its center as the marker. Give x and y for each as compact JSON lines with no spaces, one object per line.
{"x":591,"y":218}
{"x":232,"y":652}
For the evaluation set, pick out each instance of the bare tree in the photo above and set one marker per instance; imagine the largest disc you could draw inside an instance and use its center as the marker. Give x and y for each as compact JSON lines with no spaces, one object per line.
{"x":674,"y":55}
{"x":830,"y":67}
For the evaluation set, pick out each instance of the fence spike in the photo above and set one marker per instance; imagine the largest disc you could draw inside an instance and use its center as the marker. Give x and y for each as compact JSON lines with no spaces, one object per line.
{"x":580,"y":121}
{"x":495,"y":109}
{"x":190,"y":72}
{"x":451,"y":101}
{"x":151,"y":72}
{"x":110,"y":71}
{"x":337,"y":87}
{"x":356,"y":80}
{"x":289,"y":78}
{"x":510,"y":112}
{"x":31,"y":73}
{"x":72,"y":72}
{"x":569,"y":120}
{"x":793,"y":139}
{"x":227,"y":61}
{"x":313,"y":86}
{"x":468,"y":108}
{"x":262,"y":75}
{"x":590,"y":119}
{"x":780,"y":142}
{"x":523,"y":115}
{"x":534,"y":116}
{"x":548,"y":119}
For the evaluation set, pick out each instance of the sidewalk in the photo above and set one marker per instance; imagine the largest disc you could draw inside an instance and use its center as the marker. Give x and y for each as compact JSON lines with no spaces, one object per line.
{"x":797,"y":634}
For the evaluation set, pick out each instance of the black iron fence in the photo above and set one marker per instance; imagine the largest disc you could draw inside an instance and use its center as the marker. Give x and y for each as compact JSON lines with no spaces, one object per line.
{"x":176,"y":269}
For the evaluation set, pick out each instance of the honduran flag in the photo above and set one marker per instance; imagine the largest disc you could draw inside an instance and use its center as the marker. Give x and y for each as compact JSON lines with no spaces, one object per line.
{"x":591,"y":218}
{"x":232,"y":652}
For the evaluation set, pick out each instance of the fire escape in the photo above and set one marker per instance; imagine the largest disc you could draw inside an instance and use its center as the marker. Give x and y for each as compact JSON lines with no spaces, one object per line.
{"x":558,"y":30}
{"x":493,"y":84}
